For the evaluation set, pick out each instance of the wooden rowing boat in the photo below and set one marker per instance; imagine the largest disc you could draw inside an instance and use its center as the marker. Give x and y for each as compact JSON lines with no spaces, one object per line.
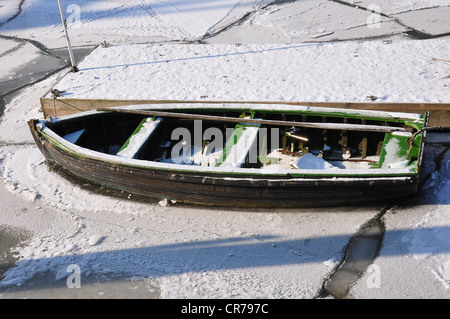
{"x":240,"y":155}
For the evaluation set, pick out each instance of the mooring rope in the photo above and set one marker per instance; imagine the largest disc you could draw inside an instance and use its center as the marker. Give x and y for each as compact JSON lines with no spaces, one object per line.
{"x":428,"y":128}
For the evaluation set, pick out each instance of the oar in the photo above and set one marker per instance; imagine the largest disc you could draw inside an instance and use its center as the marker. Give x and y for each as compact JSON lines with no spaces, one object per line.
{"x":324,"y":126}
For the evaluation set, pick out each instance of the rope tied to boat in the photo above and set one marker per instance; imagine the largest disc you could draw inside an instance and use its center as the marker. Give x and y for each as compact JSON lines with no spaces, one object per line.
{"x":429,"y":128}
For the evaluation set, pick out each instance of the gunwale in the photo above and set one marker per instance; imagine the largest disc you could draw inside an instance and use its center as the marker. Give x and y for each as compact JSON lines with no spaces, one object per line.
{"x":414,"y":120}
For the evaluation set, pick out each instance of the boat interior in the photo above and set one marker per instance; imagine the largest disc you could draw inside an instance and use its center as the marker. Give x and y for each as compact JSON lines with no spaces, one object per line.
{"x":245,"y":145}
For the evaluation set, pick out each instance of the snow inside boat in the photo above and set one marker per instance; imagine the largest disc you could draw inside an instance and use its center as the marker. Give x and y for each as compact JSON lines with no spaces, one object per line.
{"x":240,"y":155}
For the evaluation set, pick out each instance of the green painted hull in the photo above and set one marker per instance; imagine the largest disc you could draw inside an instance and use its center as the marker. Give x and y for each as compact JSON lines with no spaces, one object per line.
{"x":243,"y":187}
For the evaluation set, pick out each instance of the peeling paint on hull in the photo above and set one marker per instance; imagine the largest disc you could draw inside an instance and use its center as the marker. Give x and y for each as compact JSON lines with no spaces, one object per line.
{"x":229,"y":190}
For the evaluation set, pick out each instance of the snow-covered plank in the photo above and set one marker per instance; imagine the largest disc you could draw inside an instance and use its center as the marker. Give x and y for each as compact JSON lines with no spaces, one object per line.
{"x":139,"y":137}
{"x":239,"y":145}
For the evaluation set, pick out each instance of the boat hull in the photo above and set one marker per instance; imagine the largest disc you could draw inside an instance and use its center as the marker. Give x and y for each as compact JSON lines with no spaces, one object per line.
{"x":227,"y":189}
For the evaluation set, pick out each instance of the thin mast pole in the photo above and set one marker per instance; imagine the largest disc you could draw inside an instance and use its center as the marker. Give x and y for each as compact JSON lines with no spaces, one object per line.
{"x":69,"y":46}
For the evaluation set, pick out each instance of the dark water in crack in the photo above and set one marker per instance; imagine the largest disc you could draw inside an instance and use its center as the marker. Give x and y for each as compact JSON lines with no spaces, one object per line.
{"x":360,"y":253}
{"x":2,"y":105}
{"x":10,"y":238}
{"x":36,"y":70}
{"x":45,"y":286}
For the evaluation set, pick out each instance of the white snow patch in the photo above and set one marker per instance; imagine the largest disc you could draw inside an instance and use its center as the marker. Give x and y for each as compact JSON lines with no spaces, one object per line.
{"x":95,"y":240}
{"x":429,"y":242}
{"x":331,"y":263}
{"x":310,"y":161}
{"x":7,"y":9}
{"x":299,"y":72}
{"x":136,"y":141}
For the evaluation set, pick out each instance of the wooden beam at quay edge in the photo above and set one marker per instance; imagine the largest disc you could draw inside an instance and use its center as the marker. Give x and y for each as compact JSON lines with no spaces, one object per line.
{"x":58,"y":107}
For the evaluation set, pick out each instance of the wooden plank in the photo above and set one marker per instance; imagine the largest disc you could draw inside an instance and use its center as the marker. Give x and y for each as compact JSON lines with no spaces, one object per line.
{"x":239,"y":145}
{"x":139,"y":137}
{"x":344,"y":139}
{"x":440,"y":118}
{"x":68,"y":71}
{"x":57,"y":107}
{"x":328,"y":126}
{"x":89,"y":104}
{"x":364,"y":143}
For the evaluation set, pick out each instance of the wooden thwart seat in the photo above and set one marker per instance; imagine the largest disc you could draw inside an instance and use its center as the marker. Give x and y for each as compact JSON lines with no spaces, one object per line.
{"x":139,"y":137}
{"x":241,"y":142}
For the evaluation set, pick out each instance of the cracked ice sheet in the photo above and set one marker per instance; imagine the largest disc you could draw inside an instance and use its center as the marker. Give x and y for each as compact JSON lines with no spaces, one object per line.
{"x":242,"y":8}
{"x":430,"y":21}
{"x":235,"y":253}
{"x":101,"y":20}
{"x":7,"y":45}
{"x":310,"y":21}
{"x":196,"y":252}
{"x":23,"y":107}
{"x":195,"y":16}
{"x":417,"y":237}
{"x":7,"y":9}
{"x":12,"y":61}
{"x":397,"y":6}
{"x":120,"y":21}
{"x":171,"y":19}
